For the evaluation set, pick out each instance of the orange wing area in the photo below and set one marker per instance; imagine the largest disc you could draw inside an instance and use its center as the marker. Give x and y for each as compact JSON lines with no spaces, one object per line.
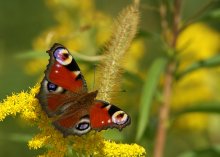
{"x":61,"y":76}
{"x":54,"y":102}
{"x":68,"y":121}
{"x":99,"y":116}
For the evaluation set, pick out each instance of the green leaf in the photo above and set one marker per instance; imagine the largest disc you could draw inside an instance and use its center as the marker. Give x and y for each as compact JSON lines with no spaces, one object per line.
{"x":37,"y":54}
{"x":16,"y":137}
{"x":31,"y":55}
{"x":148,"y":92}
{"x":208,"y":107}
{"x":211,"y":62}
{"x":113,"y":135}
{"x":212,"y":151}
{"x":214,"y":14}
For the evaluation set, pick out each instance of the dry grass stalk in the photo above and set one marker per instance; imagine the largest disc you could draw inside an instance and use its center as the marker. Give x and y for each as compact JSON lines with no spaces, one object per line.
{"x":110,"y":68}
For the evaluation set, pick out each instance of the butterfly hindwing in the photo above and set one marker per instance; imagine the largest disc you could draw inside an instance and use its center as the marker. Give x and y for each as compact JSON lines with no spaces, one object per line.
{"x":101,"y":115}
{"x":76,"y":123}
{"x":104,"y":115}
{"x":76,"y":120}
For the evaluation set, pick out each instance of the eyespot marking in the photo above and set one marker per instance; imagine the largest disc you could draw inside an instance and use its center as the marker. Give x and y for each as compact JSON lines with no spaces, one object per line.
{"x":119,"y":117}
{"x":63,"y":56}
{"x":52,"y":88}
{"x":83,"y":126}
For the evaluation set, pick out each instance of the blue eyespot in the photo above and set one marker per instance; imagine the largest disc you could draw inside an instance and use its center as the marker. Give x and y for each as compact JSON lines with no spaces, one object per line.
{"x":51,"y":87}
{"x":82,"y":126}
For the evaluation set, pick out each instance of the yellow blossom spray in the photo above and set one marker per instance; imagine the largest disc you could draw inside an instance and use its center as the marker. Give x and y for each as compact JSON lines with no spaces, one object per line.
{"x":91,"y":144}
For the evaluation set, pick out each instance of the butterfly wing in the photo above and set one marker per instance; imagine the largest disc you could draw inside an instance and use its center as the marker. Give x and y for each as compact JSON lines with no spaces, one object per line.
{"x":76,"y":119}
{"x":63,"y":80}
{"x":64,"y":95}
{"x":64,"y":71}
{"x":104,"y":115}
{"x":73,"y":123}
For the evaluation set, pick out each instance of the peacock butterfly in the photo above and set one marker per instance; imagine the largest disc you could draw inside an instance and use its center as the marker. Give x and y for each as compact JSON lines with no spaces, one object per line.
{"x":64,"y":96}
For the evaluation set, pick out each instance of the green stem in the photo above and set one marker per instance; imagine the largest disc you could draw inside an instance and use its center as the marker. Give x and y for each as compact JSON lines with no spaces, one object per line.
{"x":167,"y":91}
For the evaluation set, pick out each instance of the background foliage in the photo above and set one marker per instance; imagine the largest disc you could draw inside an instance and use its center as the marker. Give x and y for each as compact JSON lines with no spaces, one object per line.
{"x":28,"y":29}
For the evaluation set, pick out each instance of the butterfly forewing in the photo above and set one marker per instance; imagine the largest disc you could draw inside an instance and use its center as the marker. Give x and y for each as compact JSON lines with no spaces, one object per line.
{"x":64,"y":71}
{"x":62,"y":80}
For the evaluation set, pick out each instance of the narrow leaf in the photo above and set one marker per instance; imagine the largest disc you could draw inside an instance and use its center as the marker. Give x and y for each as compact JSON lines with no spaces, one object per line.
{"x":211,"y":62}
{"x":148,"y":92}
{"x":213,"y":151}
{"x":31,"y":55}
{"x":215,"y":14}
{"x":208,"y":107}
{"x":16,"y":137}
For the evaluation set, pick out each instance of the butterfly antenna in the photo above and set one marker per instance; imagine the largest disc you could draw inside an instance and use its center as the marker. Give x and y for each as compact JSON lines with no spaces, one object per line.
{"x":123,"y":90}
{"x":94,"y":77}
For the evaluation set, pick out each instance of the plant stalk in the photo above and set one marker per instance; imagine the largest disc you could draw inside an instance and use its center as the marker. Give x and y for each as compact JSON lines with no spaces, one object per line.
{"x":169,"y":78}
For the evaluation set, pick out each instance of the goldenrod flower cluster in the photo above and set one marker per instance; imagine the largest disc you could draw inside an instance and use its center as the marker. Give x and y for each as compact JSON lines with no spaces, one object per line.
{"x":23,"y":103}
{"x":79,"y":26}
{"x":197,"y":42}
{"x":26,"y":105}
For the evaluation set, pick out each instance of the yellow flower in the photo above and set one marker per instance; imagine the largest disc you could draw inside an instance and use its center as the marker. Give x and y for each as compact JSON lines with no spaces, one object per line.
{"x":28,"y":107}
{"x":123,"y":150}
{"x":91,"y":144}
{"x":80,"y":27}
{"x":197,"y":42}
{"x":192,"y":89}
{"x":197,"y":121}
{"x":23,"y":103}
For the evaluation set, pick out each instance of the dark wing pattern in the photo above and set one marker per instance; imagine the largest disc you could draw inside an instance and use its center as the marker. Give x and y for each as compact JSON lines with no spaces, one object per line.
{"x":64,"y":95}
{"x":104,"y":115}
{"x":63,"y":80}
{"x":76,"y":120}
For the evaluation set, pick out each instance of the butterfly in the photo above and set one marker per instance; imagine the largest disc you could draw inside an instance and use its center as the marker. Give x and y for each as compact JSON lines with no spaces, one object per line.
{"x":65,"y":98}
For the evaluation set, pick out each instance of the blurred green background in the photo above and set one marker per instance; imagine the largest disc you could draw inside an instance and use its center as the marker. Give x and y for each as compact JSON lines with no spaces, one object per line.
{"x":28,"y":29}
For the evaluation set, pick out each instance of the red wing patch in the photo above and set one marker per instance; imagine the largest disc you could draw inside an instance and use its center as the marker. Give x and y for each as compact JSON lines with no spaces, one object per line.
{"x":99,"y":116}
{"x":61,"y":76}
{"x":54,"y":102}
{"x":104,"y":115}
{"x":64,"y":96}
{"x":67,"y":122}
{"x":73,"y":123}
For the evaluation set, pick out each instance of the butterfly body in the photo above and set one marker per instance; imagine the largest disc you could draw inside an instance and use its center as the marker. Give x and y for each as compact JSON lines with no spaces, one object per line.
{"x":64,"y":97}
